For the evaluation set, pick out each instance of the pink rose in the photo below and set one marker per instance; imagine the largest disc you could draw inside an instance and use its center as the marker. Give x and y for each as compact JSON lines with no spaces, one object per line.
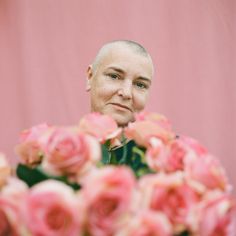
{"x":169,"y":194}
{"x":30,"y":148}
{"x":164,"y":157}
{"x":168,"y":157}
{"x":208,"y":171}
{"x":5,"y":169}
{"x":70,"y":153}
{"x":51,"y":208}
{"x":193,"y":144}
{"x":155,"y":118}
{"x":171,"y":157}
{"x":7,"y":226}
{"x":102,"y":127}
{"x":215,"y":215}
{"x":108,"y":195}
{"x":14,"y":190}
{"x":11,"y":197}
{"x":144,"y":129}
{"x":147,"y":223}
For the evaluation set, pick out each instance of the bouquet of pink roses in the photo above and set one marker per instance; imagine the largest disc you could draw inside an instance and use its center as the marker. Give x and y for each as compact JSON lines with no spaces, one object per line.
{"x":96,"y":179}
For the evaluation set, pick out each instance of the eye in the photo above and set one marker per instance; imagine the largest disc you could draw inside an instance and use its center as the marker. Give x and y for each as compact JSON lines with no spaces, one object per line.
{"x":141,"y":85}
{"x":113,"y":76}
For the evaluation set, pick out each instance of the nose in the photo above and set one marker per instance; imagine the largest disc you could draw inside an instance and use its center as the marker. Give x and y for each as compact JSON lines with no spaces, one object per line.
{"x":125,"y":90}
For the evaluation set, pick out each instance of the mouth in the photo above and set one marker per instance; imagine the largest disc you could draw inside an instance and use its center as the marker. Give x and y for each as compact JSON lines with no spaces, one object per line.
{"x":121,"y":106}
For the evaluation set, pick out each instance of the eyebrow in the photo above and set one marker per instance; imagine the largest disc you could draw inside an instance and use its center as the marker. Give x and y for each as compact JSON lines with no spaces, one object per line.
{"x":119,"y":70}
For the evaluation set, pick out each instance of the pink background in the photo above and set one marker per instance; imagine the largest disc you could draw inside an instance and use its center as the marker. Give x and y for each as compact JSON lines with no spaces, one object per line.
{"x":46,"y":45}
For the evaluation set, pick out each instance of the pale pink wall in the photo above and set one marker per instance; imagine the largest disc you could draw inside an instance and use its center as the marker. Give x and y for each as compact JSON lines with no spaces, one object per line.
{"x":46,"y":45}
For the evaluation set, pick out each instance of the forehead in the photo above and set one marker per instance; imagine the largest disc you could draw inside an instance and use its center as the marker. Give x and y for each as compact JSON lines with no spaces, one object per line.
{"x":127,"y":59}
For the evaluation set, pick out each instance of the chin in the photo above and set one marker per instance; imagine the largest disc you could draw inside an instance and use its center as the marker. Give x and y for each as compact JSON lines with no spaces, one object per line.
{"x":121,"y":120}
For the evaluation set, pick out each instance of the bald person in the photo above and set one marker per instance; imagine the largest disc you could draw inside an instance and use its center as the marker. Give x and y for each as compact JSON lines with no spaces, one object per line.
{"x":119,"y":80}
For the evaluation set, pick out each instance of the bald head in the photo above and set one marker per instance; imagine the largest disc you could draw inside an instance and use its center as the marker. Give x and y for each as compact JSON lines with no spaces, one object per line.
{"x":106,"y":48}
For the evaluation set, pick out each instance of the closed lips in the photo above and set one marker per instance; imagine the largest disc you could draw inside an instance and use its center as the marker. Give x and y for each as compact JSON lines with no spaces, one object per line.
{"x":120,"y":105}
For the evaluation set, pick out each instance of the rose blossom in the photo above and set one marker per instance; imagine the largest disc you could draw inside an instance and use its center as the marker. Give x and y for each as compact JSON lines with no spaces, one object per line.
{"x":51,"y":208}
{"x":155,"y":118}
{"x":169,"y":194}
{"x":145,"y":128}
{"x":5,"y":169}
{"x":207,"y":171}
{"x":171,"y":157}
{"x":7,"y":225}
{"x":30,"y":148}
{"x":14,"y":189}
{"x":214,"y":216}
{"x":108,"y":195}
{"x":147,"y":223}
{"x":193,"y":144}
{"x":11,"y":197}
{"x":70,"y":153}
{"x":102,"y":127}
{"x":202,"y":170}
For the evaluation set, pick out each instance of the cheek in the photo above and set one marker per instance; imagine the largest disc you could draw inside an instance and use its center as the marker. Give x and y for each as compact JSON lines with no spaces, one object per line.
{"x":108,"y":89}
{"x":101,"y":85}
{"x":139,"y":100}
{"x":102,"y":92}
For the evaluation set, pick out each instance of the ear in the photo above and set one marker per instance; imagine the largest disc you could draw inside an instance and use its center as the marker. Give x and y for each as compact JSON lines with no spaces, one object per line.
{"x":89,"y":78}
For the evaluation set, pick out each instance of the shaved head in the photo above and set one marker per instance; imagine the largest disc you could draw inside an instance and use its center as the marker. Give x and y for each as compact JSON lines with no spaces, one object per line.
{"x":134,"y":46}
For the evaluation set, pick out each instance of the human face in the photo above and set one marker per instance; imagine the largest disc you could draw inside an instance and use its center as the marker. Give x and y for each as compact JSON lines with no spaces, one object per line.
{"x":120,"y":84}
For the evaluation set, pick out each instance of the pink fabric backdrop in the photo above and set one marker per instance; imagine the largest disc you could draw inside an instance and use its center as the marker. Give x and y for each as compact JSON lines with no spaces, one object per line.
{"x":46,"y":45}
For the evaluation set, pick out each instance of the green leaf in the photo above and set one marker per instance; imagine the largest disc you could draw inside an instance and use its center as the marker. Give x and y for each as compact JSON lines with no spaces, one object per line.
{"x":185,"y":233}
{"x":105,"y":154}
{"x":113,"y":159}
{"x":124,"y":153}
{"x":32,"y":176}
{"x":124,"y":157}
{"x":129,"y":154}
